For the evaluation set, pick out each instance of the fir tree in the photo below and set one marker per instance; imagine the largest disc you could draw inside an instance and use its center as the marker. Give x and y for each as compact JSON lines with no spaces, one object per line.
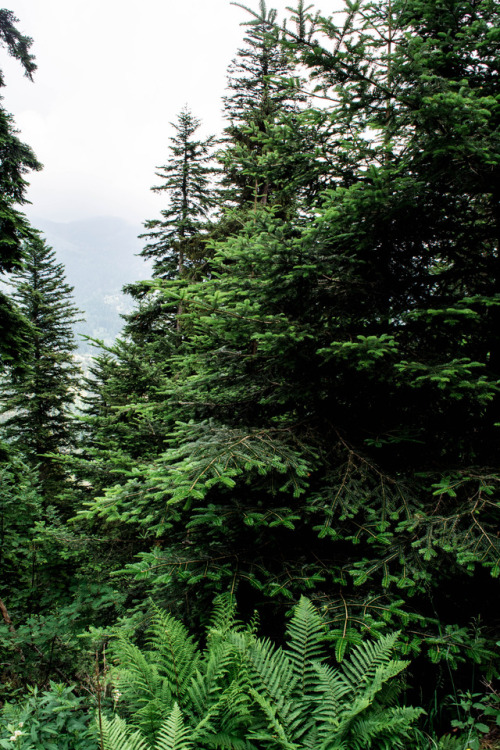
{"x":261,"y":92}
{"x":337,"y":397}
{"x":177,"y":241}
{"x":186,"y":179}
{"x":257,"y":93}
{"x":16,"y":160}
{"x":37,"y":403}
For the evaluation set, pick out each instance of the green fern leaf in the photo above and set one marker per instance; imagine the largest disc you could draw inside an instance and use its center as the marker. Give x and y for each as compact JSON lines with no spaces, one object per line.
{"x":137,"y":675}
{"x":223,"y":616}
{"x":329,"y":694}
{"x":305,"y":633}
{"x":173,"y":735}
{"x":275,"y":731}
{"x":115,"y":736}
{"x":366,"y":658}
{"x":174,"y":651}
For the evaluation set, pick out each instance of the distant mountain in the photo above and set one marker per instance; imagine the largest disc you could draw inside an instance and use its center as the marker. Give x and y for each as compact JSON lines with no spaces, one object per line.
{"x":100,"y":257}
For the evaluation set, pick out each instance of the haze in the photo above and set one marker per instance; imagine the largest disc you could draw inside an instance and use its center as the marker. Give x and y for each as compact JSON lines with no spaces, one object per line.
{"x":111,"y":77}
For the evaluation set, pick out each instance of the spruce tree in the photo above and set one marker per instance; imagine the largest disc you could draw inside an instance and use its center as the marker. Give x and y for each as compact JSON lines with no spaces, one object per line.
{"x":37,"y":402}
{"x":337,"y":398}
{"x":261,"y":93}
{"x":177,"y":241}
{"x":186,"y":181}
{"x":16,"y":160}
{"x":257,"y":93}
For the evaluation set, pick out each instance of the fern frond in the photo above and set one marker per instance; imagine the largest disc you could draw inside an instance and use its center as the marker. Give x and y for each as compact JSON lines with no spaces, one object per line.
{"x":270,"y":670}
{"x":225,"y":741}
{"x":329,"y":694}
{"x":365,"y":660}
{"x":135,"y":671}
{"x":116,"y":737}
{"x":173,"y":735}
{"x":149,"y":718}
{"x":275,"y":731}
{"x":389,"y":727}
{"x":305,"y":634}
{"x":208,"y":683}
{"x":271,"y":676}
{"x":219,"y":695}
{"x":223,"y":615}
{"x":175,"y":652}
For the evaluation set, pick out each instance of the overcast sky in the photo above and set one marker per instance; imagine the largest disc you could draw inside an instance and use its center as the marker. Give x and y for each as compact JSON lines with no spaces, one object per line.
{"x":112,"y":75}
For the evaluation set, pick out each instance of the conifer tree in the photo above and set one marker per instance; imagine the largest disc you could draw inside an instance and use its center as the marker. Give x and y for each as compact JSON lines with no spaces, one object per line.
{"x":261,"y":93}
{"x":37,"y":403}
{"x":177,"y":241}
{"x":186,"y":182}
{"x":257,"y":93}
{"x":337,"y":400}
{"x":16,"y":160}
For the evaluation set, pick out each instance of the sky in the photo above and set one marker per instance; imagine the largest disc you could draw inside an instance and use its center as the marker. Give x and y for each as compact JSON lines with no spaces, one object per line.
{"x":112,"y":75}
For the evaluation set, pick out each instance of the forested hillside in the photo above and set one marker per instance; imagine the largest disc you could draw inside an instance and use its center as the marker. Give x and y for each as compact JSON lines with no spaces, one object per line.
{"x":273,"y":522}
{"x":100,"y":256}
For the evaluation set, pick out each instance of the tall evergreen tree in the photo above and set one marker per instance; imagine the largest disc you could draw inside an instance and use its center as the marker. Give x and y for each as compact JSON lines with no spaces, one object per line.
{"x":37,"y":403}
{"x":261,"y":92}
{"x":16,"y":160}
{"x":337,"y":398}
{"x":257,"y":93}
{"x":177,"y":241}
{"x":186,"y":182}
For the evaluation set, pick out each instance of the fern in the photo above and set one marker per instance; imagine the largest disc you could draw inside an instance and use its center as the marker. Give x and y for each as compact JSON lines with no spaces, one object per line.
{"x":223,"y":615}
{"x":217,"y":701}
{"x":139,"y":670}
{"x":277,"y":690}
{"x":245,"y":693}
{"x":350,"y":705}
{"x":371,"y":661}
{"x":305,"y":633}
{"x":331,"y":688}
{"x":386,"y":728}
{"x":116,"y":737}
{"x":173,"y":650}
{"x":173,"y":735}
{"x":274,"y":729}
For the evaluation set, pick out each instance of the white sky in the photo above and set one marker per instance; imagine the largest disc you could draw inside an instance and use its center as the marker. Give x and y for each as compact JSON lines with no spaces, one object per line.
{"x":112,"y":75}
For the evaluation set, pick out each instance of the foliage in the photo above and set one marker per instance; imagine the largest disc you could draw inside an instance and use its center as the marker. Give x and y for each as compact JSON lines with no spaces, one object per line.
{"x":244,"y":692}
{"x":16,"y":159}
{"x":305,"y":400}
{"x":55,"y":719}
{"x":54,"y":583}
{"x":328,"y":422}
{"x":37,"y":402}
{"x":478,"y":717}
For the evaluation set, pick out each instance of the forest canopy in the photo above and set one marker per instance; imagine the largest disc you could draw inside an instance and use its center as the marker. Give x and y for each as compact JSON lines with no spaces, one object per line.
{"x":298,"y":425}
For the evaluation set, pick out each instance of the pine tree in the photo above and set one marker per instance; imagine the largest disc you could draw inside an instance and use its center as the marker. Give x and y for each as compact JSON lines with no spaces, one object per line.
{"x":37,"y":403}
{"x":16,"y":160}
